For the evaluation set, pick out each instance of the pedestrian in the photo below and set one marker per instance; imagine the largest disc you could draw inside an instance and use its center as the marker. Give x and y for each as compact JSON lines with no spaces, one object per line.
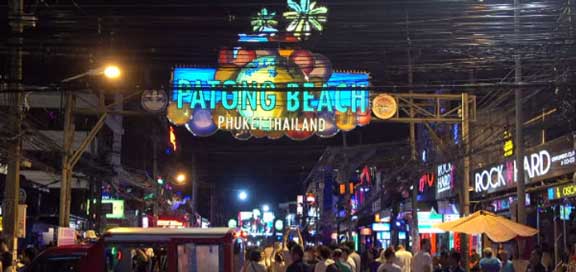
{"x":340,"y":259}
{"x":254,"y":262}
{"x":454,"y":264}
{"x":310,"y":256}
{"x":378,"y":260}
{"x":422,"y":261}
{"x":547,"y":260}
{"x":474,"y":261}
{"x":442,"y":264}
{"x":536,"y":262}
{"x":507,"y":265}
{"x":325,"y":262}
{"x":6,"y":261}
{"x":354,"y":256}
{"x":489,"y":263}
{"x":28,"y":254}
{"x":347,"y":251}
{"x":403,"y":258}
{"x":389,"y":265}
{"x":297,"y":265}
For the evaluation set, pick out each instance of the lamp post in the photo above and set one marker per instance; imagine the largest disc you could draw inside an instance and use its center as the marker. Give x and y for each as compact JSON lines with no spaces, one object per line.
{"x":71,"y":157}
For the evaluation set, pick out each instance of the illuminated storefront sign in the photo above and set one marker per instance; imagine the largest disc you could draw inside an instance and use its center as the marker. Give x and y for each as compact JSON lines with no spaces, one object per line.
{"x":381,"y":227}
{"x":117,"y":208}
{"x":562,"y":192}
{"x":550,"y":160}
{"x":445,"y":184}
{"x":168,"y":223}
{"x":426,"y":221}
{"x":427,"y":187}
{"x":426,"y":182}
{"x":504,"y":204}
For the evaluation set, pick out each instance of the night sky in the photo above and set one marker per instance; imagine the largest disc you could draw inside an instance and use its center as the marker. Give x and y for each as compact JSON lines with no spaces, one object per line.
{"x":451,"y":40}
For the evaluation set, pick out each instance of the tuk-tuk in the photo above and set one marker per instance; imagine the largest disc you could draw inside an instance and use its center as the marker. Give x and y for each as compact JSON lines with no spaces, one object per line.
{"x":161,"y":249}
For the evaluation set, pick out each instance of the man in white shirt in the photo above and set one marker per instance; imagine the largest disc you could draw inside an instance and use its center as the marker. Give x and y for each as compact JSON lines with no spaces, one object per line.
{"x":355,"y":257}
{"x":347,"y":252}
{"x":422,"y":261}
{"x":389,"y":265}
{"x":403,"y":258}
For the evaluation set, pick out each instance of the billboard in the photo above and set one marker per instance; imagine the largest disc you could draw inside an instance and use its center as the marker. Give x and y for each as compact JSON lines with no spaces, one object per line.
{"x":270,"y":93}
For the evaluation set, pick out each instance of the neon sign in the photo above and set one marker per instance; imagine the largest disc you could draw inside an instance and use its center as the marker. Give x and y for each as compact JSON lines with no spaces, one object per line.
{"x":426,"y":181}
{"x":550,"y":160}
{"x":266,"y":99}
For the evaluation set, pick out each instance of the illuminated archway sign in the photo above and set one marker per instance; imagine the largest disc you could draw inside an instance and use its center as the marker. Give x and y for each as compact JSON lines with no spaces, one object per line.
{"x":266,"y":91}
{"x":269,"y":97}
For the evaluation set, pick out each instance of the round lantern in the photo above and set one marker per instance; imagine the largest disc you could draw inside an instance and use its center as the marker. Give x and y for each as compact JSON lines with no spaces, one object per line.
{"x":178,"y":116}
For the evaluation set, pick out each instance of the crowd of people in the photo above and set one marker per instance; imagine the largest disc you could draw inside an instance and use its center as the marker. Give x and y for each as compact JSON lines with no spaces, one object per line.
{"x":6,"y":259}
{"x":343,"y":258}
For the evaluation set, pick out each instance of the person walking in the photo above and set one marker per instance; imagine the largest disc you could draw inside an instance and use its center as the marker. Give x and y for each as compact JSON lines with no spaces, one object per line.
{"x":354,"y":256}
{"x":536,"y":262}
{"x":389,"y":264}
{"x":254,"y":262}
{"x":341,"y":260}
{"x":297,"y":265}
{"x":403,"y":258}
{"x":422,"y":261}
{"x":454,"y":264}
{"x":489,"y":263}
{"x":325,"y":262}
{"x":507,"y":265}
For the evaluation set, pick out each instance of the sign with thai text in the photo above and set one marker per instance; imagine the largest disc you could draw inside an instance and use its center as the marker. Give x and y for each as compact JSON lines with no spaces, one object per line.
{"x":550,"y":160}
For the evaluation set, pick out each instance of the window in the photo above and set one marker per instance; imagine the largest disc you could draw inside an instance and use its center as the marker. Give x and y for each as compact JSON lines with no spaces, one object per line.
{"x":136,"y":258}
{"x":195,"y":258}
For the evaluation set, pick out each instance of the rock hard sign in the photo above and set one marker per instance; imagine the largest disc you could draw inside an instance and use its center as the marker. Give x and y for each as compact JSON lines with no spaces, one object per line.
{"x":553,"y":159}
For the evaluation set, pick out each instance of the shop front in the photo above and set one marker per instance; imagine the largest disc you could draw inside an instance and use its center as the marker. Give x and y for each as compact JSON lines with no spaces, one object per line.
{"x":549,"y":170}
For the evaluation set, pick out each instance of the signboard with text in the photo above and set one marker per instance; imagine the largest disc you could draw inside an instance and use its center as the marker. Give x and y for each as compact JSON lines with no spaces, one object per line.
{"x":549,"y":160}
{"x":560,"y":192}
{"x":270,"y":95}
{"x":427,"y":187}
{"x":446,"y":180}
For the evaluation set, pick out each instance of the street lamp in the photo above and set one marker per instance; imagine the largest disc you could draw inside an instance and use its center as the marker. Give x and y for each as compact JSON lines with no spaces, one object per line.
{"x":265,"y":208}
{"x":112,"y":72}
{"x":242,"y":195}
{"x":181,"y":178}
{"x":109,"y":71}
{"x":70,"y":157}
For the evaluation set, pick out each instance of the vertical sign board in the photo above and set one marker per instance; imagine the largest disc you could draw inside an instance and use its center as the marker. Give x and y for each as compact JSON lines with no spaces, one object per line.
{"x":446,"y":180}
{"x":21,"y":221}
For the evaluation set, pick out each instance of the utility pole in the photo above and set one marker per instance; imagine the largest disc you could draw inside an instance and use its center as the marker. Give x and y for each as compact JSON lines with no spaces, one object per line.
{"x":413,"y":153}
{"x":519,"y":139}
{"x":465,"y":192}
{"x":155,"y":175}
{"x":16,"y":19}
{"x":66,"y":182}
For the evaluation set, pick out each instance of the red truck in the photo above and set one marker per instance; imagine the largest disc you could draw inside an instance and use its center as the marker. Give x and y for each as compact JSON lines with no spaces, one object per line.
{"x":149,"y":250}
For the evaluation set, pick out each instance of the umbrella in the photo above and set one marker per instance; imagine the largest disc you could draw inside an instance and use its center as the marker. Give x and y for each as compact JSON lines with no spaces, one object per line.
{"x":499,"y":229}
